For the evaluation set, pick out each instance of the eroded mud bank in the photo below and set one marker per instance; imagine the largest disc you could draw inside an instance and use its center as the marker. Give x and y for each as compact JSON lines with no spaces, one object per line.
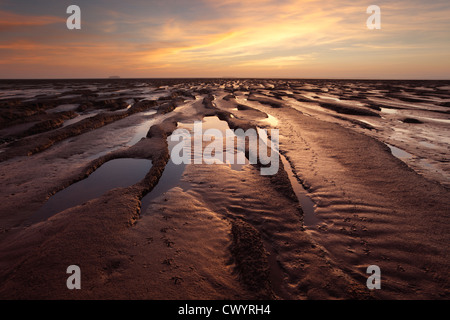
{"x":218,"y":232}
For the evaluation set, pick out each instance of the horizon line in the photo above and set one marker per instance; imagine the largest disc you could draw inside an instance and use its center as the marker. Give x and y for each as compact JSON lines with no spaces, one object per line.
{"x":246,"y":78}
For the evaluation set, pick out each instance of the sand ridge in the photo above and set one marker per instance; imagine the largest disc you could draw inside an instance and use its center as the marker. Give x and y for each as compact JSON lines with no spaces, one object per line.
{"x":224,"y":233}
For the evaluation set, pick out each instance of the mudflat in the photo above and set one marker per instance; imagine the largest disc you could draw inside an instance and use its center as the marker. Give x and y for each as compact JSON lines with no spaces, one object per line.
{"x":372,"y":156}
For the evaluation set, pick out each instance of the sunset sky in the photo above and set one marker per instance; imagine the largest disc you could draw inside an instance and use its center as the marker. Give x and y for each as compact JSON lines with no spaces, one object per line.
{"x":226,"y":38}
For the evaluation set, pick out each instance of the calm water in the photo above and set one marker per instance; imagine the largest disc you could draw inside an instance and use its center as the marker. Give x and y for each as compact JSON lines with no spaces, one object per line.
{"x":310,"y":218}
{"x":399,"y":153}
{"x":113,"y":174}
{"x":169,"y":179}
{"x":173,"y":172}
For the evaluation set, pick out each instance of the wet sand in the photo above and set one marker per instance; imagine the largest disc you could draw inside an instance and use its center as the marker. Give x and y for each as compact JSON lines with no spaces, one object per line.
{"x":222,"y":233}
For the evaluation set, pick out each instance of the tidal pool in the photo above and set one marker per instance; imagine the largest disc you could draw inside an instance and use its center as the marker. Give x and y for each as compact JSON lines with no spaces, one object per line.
{"x":170,"y":178}
{"x":399,"y":153}
{"x":173,"y":172}
{"x":112,"y":174}
{"x":310,"y":218}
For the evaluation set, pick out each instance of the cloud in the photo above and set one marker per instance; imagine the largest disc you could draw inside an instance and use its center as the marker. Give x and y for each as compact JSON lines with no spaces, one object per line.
{"x":9,"y":20}
{"x":206,"y":36}
{"x":278,"y":62}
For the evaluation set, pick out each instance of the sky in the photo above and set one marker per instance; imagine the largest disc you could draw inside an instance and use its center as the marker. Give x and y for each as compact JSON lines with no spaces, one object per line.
{"x":226,"y":38}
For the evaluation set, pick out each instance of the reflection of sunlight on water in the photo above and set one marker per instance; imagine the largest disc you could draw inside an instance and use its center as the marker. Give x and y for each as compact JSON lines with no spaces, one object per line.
{"x":427,"y":144}
{"x":134,"y":136}
{"x":368,"y":122}
{"x":310,"y":218}
{"x":169,"y":179}
{"x":123,"y":110}
{"x":173,"y":173}
{"x":142,"y":129}
{"x":78,"y":119}
{"x":425,"y":164}
{"x":213,"y":122}
{"x":271,"y":120}
{"x":29,"y":92}
{"x":63,"y":107}
{"x":389,"y":111}
{"x":299,"y":105}
{"x":436,"y":119}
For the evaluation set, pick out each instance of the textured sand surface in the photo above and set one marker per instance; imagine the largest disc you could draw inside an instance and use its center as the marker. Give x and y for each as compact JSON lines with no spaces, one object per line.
{"x":222,"y":232}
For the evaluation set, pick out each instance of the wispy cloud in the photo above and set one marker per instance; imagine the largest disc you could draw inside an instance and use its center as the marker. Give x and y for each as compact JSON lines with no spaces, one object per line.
{"x":10,"y":20}
{"x":206,"y":37}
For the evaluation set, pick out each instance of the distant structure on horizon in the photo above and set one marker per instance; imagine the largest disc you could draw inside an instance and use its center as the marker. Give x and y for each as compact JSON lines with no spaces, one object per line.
{"x":114,"y":77}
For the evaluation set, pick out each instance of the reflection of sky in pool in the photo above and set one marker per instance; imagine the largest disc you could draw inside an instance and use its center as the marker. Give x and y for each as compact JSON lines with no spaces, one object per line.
{"x":113,"y":174}
{"x":173,"y":172}
{"x":399,"y":153}
{"x":310,"y":218}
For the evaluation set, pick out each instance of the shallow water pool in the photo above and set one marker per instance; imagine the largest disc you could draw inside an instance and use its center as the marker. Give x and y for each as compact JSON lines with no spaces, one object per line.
{"x":112,"y":174}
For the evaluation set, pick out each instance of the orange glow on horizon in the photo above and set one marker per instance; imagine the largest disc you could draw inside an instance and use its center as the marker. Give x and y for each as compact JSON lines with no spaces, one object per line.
{"x":243,"y":39}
